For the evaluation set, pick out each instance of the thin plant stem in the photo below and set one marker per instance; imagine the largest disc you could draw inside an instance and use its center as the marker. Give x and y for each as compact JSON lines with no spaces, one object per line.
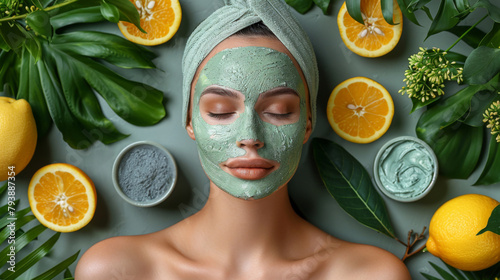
{"x":465,"y":33}
{"x":46,"y":9}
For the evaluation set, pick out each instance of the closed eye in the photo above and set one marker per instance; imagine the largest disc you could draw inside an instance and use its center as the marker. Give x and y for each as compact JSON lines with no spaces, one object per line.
{"x":220,"y":116}
{"x":284,"y":116}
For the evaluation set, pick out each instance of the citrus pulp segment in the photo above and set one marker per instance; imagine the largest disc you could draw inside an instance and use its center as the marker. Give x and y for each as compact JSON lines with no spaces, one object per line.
{"x":360,"y":110}
{"x":62,"y":197}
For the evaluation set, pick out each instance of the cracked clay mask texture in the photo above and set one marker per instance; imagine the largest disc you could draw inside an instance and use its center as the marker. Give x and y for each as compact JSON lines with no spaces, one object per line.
{"x":251,"y":71}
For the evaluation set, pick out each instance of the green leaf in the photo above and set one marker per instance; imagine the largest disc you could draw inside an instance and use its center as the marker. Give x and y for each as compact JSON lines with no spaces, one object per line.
{"x":110,"y":12}
{"x":454,"y":160}
{"x":3,"y":188}
{"x":79,"y":15}
{"x":8,"y":73}
{"x":12,"y":36}
{"x":136,"y":103}
{"x":354,"y":10}
{"x":418,"y":104}
{"x":18,"y":214}
{"x":39,"y":21}
{"x":491,"y":171}
{"x":56,"y":270}
{"x":482,"y":65}
{"x":404,"y":5}
{"x":387,"y":11}
{"x":447,"y":140}
{"x":323,"y":4}
{"x":5,"y":232}
{"x":493,"y":222}
{"x":479,"y":103}
{"x":445,"y":19}
{"x":32,"y":258}
{"x":442,"y":272}
{"x":22,"y":240}
{"x":111,"y":48}
{"x":429,"y":277}
{"x":351,"y":186}
{"x":84,"y":105}
{"x":472,"y":38}
{"x":493,"y":11}
{"x":492,"y":39}
{"x":67,"y":274}
{"x":301,"y":6}
{"x":29,"y":89}
{"x":457,"y":57}
{"x":71,"y":129}
{"x":128,"y":12}
{"x":5,"y":209}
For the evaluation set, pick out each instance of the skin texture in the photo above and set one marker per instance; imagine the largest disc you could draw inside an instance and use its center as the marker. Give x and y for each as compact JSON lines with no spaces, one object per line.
{"x":234,"y":238}
{"x":243,"y":95}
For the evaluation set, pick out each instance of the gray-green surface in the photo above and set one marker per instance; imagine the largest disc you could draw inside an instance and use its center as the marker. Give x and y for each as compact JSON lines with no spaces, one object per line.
{"x":336,"y":63}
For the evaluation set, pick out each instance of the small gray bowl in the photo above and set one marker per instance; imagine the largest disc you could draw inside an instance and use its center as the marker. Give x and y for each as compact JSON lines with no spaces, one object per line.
{"x":381,"y":186}
{"x":169,"y":184}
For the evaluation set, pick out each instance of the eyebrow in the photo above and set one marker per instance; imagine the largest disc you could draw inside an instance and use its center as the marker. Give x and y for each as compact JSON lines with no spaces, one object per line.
{"x":279,"y":91}
{"x":219,"y":91}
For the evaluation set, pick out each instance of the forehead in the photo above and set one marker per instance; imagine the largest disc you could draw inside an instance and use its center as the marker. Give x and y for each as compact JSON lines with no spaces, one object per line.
{"x":245,"y":41}
{"x":250,"y":70}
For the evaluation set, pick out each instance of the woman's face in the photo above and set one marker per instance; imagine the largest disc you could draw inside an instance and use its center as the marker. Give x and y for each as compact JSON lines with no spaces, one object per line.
{"x":249,"y":116}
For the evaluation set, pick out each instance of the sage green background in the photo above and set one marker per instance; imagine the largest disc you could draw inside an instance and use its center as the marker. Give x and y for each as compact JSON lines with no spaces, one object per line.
{"x":336,"y":63}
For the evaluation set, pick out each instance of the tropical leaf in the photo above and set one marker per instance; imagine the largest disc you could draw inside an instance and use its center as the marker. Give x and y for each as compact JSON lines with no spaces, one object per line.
{"x":490,"y":174}
{"x":457,"y":274}
{"x":301,"y":6}
{"x":492,"y":39}
{"x":472,"y":37}
{"x":60,"y":73}
{"x":493,"y":222}
{"x":323,"y":5}
{"x":482,"y":65}
{"x":445,"y":19}
{"x":351,"y":186}
{"x":354,"y":10}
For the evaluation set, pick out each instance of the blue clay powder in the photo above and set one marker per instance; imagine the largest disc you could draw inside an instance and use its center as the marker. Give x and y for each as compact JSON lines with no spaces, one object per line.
{"x":144,"y":173}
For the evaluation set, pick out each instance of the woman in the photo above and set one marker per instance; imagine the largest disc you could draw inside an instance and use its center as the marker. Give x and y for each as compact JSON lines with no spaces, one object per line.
{"x":250,"y":87}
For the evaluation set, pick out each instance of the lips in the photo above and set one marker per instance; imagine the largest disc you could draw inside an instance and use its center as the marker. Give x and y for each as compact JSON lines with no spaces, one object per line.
{"x":249,"y":168}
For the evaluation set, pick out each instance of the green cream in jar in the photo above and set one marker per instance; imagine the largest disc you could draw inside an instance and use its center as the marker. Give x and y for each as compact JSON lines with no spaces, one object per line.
{"x":405,"y":169}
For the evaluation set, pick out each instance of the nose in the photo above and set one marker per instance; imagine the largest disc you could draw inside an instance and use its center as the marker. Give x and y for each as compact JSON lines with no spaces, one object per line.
{"x":250,"y":143}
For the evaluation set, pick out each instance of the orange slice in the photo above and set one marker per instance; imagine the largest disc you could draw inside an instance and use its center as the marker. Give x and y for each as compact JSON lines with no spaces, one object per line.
{"x":62,"y":197}
{"x":159,"y":18}
{"x":376,"y":37}
{"x":360,"y":110}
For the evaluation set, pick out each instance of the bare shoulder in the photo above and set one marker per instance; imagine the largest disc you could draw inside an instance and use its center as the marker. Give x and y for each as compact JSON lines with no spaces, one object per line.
{"x":113,"y":258}
{"x":359,"y":261}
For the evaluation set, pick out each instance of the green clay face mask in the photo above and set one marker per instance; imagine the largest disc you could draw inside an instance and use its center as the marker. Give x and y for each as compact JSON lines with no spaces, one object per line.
{"x":250,"y":71}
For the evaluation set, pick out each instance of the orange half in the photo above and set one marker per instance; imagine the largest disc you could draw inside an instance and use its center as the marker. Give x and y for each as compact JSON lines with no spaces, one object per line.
{"x":374,"y":38}
{"x":360,"y":110}
{"x":62,"y":197}
{"x":159,"y":18}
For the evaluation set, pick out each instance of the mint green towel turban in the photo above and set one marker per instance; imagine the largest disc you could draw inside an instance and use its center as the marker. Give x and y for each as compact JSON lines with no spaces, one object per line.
{"x":235,"y":16}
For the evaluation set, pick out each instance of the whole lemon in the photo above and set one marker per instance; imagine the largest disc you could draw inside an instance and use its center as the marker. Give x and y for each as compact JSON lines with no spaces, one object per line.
{"x":453,"y":233}
{"x":18,"y":135}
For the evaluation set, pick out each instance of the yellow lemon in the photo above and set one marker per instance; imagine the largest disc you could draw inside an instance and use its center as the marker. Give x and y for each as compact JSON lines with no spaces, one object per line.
{"x":18,"y":136}
{"x":62,"y":197}
{"x":453,"y":233}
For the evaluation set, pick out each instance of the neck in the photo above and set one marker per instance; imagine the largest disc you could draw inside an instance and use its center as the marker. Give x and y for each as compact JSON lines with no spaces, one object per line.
{"x":235,"y":226}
